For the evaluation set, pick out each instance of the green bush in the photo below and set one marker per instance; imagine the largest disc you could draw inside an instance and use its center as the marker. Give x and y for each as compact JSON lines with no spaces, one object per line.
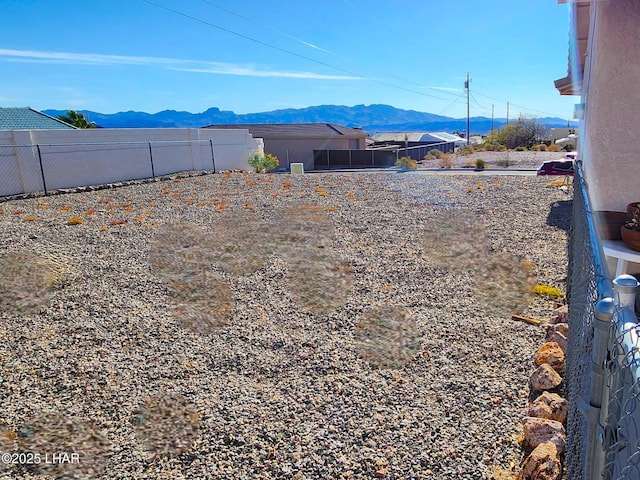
{"x":480,"y":164}
{"x":521,"y":148}
{"x":435,"y":152}
{"x":263,"y":163}
{"x":407,"y":163}
{"x":491,"y":146}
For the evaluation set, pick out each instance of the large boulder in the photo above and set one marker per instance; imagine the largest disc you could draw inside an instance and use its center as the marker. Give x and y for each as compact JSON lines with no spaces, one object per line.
{"x":545,"y":378}
{"x":542,"y":464}
{"x":550,"y":406}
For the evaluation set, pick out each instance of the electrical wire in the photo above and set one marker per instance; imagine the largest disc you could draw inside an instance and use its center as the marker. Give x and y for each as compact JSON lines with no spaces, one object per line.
{"x":451,"y":104}
{"x":522,"y":107}
{"x":328,"y":65}
{"x":289,"y":52}
{"x":269,"y":27}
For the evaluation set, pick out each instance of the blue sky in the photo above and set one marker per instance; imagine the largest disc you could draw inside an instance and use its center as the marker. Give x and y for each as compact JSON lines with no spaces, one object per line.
{"x":261,"y":55}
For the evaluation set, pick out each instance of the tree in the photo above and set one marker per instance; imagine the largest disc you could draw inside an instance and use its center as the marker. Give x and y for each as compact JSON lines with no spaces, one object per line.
{"x":76,"y":119}
{"x":522,"y":133}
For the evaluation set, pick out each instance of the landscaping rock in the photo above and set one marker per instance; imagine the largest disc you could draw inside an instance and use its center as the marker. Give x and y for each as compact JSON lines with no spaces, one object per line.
{"x":545,"y":378}
{"x":542,"y":430}
{"x":550,"y":406}
{"x":552,"y":354}
{"x":560,"y":315}
{"x":562,"y":328}
{"x":558,"y":338}
{"x":542,"y":464}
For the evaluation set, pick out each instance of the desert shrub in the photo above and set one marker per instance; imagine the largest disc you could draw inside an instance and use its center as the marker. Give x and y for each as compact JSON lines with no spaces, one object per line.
{"x":553,"y":148}
{"x":491,"y":146}
{"x":435,"y":152}
{"x":543,"y":147}
{"x":503,"y":162}
{"x":480,"y":164}
{"x":407,"y":163}
{"x":524,"y":132}
{"x":521,"y":148}
{"x":445,"y":162}
{"x":466,"y":150}
{"x":263,"y":163}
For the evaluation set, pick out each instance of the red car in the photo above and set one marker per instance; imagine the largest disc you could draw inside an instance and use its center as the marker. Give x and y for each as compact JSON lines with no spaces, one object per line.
{"x":556,"y":167}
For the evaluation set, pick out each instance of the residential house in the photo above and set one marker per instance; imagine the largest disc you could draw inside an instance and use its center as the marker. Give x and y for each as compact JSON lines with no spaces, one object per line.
{"x":295,"y":143}
{"x":26,"y":118}
{"x":604,"y":67}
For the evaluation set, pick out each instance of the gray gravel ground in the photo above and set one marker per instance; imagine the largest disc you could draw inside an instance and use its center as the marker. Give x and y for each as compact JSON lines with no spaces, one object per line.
{"x":255,"y":327}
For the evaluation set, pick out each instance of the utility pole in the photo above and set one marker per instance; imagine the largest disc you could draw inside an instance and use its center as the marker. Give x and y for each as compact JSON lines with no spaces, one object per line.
{"x":507,"y":113}
{"x":492,"y":111}
{"x":466,"y":86}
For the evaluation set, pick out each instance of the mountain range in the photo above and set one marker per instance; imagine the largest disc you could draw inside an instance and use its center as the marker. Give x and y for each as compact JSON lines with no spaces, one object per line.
{"x":371,"y":118}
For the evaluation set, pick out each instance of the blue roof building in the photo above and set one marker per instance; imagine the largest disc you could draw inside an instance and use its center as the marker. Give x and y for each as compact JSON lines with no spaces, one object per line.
{"x":26,"y":118}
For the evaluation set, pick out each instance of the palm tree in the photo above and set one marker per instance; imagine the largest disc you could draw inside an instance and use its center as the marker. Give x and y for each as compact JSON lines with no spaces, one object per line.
{"x":76,"y":119}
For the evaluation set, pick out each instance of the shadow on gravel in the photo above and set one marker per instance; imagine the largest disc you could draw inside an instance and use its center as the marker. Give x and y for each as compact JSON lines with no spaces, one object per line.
{"x":559,"y":215}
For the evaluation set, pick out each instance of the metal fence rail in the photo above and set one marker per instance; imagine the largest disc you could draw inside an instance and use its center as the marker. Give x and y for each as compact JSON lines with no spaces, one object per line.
{"x":326,"y":159}
{"x":46,"y":167}
{"x":603,"y":357}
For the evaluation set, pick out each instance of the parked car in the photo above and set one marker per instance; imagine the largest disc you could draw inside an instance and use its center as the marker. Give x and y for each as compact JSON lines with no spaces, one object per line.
{"x":556,"y":167}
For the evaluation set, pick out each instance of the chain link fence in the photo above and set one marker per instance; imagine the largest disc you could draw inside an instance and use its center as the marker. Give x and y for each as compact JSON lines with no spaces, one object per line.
{"x":603,"y":357}
{"x":47,"y":167}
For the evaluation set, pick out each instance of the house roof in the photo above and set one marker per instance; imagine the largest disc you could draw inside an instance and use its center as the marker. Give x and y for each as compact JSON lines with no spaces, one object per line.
{"x":295,"y":130}
{"x":404,"y":136}
{"x":26,"y":118}
{"x":571,"y":84}
{"x":416,"y":137}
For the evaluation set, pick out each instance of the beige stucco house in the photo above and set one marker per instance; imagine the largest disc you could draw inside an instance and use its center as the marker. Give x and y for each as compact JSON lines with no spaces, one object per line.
{"x":295,"y":143}
{"x":604,"y":69}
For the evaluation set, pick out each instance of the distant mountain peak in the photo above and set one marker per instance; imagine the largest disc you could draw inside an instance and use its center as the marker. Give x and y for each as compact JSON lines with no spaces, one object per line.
{"x":371,"y":118}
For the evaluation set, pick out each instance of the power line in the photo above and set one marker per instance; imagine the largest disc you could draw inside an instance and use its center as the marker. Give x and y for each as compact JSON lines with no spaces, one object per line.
{"x":520,"y":106}
{"x":269,"y":27}
{"x":451,"y":104}
{"x":311,"y":45}
{"x":325,"y":64}
{"x":289,"y":52}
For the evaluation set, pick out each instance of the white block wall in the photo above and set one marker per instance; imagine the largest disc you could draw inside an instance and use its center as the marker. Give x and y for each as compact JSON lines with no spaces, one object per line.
{"x":72,"y":158}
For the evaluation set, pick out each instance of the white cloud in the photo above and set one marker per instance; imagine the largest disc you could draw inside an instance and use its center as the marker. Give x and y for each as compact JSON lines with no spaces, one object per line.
{"x":196,"y":66}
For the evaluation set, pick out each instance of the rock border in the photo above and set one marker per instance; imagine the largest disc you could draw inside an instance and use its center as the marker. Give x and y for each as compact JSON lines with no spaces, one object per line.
{"x":544,"y":425}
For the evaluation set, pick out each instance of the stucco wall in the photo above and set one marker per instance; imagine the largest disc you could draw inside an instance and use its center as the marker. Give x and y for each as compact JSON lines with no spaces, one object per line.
{"x":72,"y":158}
{"x":612,"y":105}
{"x":301,"y":150}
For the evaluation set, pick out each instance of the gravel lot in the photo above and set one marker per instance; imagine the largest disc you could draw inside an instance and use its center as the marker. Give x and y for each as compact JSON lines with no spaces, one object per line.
{"x":253,"y":327}
{"x":529,"y":160}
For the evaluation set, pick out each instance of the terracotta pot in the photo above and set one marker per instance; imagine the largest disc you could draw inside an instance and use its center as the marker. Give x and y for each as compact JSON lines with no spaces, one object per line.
{"x":609,"y":223}
{"x":631,"y":238}
{"x":631,"y":206}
